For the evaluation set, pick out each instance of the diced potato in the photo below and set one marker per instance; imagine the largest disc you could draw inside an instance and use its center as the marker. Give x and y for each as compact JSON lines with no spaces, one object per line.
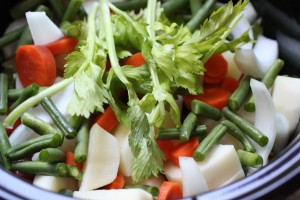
{"x":53,"y":183}
{"x":101,"y":166}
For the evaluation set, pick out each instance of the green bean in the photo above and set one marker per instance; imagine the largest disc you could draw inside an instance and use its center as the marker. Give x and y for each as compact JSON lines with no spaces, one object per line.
{"x":52,"y":155}
{"x":188,"y":126}
{"x":19,"y":9}
{"x":58,"y":8}
{"x":75,"y":172}
{"x":14,"y":94}
{"x":268,"y":80}
{"x":70,"y":29}
{"x":82,"y":140}
{"x":42,"y":168}
{"x":11,"y":36}
{"x":76,"y":121}
{"x":174,"y":133}
{"x":172,"y":6}
{"x":195,"y":5}
{"x":3,"y":93}
{"x":131,"y":5}
{"x":28,"y":92}
{"x":237,"y":98}
{"x":66,"y":192}
{"x":34,"y":148}
{"x":4,"y":146}
{"x":201,"y":15}
{"x":72,"y":10}
{"x":154,"y":191}
{"x":238,"y":134}
{"x":209,"y":142}
{"x":204,"y":109}
{"x":250,"y":159}
{"x":37,"y":125}
{"x":39,"y":139}
{"x":60,"y":121}
{"x":248,"y":128}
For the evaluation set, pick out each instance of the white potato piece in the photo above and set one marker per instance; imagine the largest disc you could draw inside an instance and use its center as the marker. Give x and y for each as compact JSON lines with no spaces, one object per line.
{"x":242,"y":26}
{"x":101,"y":166}
{"x":286,"y":97}
{"x":220,"y":166}
{"x":21,"y":134}
{"x":266,"y":51}
{"x":53,"y":183}
{"x":172,"y":172}
{"x":124,"y":194}
{"x":250,"y":13}
{"x":193,"y":181}
{"x":121,"y":133}
{"x":233,"y":70}
{"x":228,"y":139}
{"x":282,"y":132}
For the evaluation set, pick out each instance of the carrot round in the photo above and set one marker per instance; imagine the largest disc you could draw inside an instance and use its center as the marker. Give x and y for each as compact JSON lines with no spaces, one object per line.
{"x":62,"y":46}
{"x":135,"y":60}
{"x":108,"y":120}
{"x":184,"y":149}
{"x":70,"y":160}
{"x":170,"y":191}
{"x":216,"y":97}
{"x":166,"y":146}
{"x":35,"y":64}
{"x":229,"y":84}
{"x":118,"y":183}
{"x":216,"y":69}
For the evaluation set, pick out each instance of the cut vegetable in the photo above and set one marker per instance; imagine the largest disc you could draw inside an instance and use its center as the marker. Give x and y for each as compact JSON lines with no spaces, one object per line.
{"x":223,"y":158}
{"x":101,"y":166}
{"x":170,"y":190}
{"x":35,"y":64}
{"x":286,"y":95}
{"x":62,"y":46}
{"x":53,"y":183}
{"x":124,"y":194}
{"x":42,"y":29}
{"x":265,"y":117}
{"x":121,"y":133}
{"x":193,"y":181}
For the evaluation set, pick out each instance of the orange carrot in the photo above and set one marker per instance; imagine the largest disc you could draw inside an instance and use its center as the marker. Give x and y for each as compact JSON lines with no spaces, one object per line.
{"x":135,"y":60}
{"x":170,"y":191}
{"x":216,"y":97}
{"x":70,"y":160}
{"x":216,"y":69}
{"x":63,"y":45}
{"x":35,"y":64}
{"x":229,"y":84}
{"x":107,"y":120}
{"x":118,"y":183}
{"x":184,"y":149}
{"x":166,"y":146}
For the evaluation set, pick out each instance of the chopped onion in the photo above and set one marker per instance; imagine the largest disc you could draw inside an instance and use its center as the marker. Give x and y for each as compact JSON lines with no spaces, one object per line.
{"x":265,"y":116}
{"x":42,"y":29}
{"x":266,"y":51}
{"x":193,"y":181}
{"x":282,"y":132}
{"x":247,"y":62}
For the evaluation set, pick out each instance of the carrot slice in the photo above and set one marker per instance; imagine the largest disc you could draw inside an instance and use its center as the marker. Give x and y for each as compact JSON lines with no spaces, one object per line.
{"x":166,"y":146}
{"x":70,"y":160}
{"x":63,"y":45}
{"x":107,"y":120}
{"x":135,"y":60}
{"x":35,"y":64}
{"x":118,"y":183}
{"x":216,"y":69}
{"x":184,"y":149}
{"x":216,"y":97}
{"x":229,"y":84}
{"x":170,"y":191}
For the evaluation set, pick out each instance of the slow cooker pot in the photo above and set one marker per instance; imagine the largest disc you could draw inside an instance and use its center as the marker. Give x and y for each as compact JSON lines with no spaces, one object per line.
{"x":280,"y":179}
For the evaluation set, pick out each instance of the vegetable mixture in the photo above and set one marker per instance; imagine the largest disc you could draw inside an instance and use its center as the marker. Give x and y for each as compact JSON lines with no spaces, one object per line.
{"x":141,"y":99}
